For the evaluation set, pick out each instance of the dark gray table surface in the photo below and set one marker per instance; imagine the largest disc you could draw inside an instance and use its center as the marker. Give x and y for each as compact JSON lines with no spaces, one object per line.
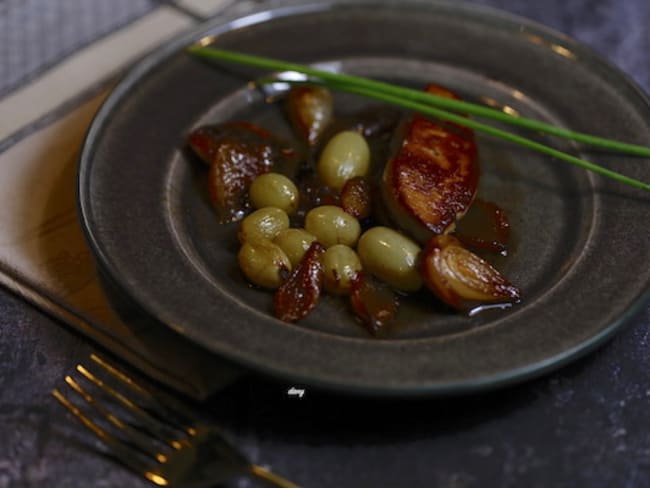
{"x":584,"y":425}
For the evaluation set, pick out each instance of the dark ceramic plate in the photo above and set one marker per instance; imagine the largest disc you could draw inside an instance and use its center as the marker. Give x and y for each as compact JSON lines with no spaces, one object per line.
{"x":580,"y":246}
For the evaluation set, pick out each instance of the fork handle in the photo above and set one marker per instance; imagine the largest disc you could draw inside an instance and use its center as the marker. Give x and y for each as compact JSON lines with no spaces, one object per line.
{"x":271,"y":478}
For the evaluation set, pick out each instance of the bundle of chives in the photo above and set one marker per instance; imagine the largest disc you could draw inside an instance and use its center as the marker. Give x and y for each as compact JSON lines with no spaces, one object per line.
{"x":437,"y":106}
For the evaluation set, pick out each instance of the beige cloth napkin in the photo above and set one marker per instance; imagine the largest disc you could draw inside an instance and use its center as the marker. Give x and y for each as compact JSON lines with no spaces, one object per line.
{"x":43,"y":253}
{"x":45,"y":258}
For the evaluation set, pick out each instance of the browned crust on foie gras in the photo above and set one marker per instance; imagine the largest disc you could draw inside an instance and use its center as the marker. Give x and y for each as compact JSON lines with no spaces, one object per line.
{"x":432,"y":179}
{"x":236,"y":153}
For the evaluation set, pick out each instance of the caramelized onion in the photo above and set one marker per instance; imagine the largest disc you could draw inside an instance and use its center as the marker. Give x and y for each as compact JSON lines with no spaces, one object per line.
{"x":310,"y":111}
{"x":460,"y":278}
{"x":300,"y":293}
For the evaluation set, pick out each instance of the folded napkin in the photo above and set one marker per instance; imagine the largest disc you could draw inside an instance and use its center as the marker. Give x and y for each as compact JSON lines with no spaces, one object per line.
{"x":46,"y":107}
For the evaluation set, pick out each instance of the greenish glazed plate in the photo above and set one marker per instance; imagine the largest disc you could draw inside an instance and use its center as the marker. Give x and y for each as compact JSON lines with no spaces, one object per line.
{"x":581,"y":244}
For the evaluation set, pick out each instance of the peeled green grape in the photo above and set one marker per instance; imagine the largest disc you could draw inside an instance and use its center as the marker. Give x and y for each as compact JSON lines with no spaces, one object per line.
{"x":332,"y":225}
{"x":294,"y":243}
{"x":265,"y":223}
{"x":340,"y":266}
{"x":274,"y":190}
{"x":391,"y":257}
{"x":345,"y":156}
{"x":263,"y":263}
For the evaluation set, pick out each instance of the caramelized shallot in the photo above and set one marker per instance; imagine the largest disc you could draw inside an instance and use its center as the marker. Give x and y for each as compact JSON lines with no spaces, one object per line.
{"x":310,"y":111}
{"x":462,"y":279}
{"x":300,"y":293}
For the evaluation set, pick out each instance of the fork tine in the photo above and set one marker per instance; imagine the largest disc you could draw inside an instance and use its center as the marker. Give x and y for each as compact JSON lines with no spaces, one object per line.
{"x":140,"y":440}
{"x":154,"y":426}
{"x":123,"y":377}
{"x":92,"y":426}
{"x":91,"y":401}
{"x":271,"y":477}
{"x":120,"y":451}
{"x":164,"y":406}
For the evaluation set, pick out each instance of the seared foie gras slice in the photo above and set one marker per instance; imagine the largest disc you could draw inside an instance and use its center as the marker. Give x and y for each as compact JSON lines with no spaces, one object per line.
{"x":206,"y":141}
{"x":432,"y":179}
{"x":236,"y":153}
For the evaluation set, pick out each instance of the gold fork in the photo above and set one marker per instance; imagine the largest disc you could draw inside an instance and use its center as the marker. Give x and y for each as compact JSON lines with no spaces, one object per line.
{"x":168,"y":447}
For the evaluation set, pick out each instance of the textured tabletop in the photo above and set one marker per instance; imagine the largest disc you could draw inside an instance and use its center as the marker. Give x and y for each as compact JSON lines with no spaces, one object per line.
{"x":586,"y":425}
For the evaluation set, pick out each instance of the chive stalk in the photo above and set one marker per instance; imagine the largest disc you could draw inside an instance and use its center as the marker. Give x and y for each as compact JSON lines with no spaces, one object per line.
{"x":419,"y":96}
{"x":486,"y":129}
{"x":427,"y":103}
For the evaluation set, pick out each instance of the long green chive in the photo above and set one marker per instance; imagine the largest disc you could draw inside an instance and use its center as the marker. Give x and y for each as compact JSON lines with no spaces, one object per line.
{"x":416,"y":100}
{"x":428,"y":98}
{"x":478,"y":126}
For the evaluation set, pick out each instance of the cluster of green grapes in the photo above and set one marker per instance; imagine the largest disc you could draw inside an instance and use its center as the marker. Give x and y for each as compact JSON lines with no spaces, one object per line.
{"x":270,"y":247}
